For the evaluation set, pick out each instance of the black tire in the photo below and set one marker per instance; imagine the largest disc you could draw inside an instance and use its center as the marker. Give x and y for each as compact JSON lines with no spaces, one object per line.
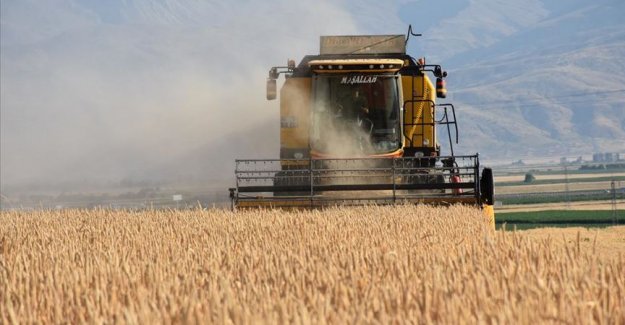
{"x":487,"y":187}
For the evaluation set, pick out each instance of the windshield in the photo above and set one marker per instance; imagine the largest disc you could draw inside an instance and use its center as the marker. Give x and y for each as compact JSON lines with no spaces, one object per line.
{"x":355,"y":114}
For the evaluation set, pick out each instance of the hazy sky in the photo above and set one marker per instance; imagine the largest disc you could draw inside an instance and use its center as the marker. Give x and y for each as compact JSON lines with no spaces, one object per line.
{"x":99,"y":90}
{"x":96,"y":91}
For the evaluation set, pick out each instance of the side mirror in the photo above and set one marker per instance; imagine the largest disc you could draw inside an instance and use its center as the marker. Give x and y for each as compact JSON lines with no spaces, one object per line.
{"x":439,"y":72}
{"x":271,"y":89}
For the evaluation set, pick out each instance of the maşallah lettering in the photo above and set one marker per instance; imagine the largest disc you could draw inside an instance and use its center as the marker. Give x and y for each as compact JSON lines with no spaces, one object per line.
{"x":359,"y":80}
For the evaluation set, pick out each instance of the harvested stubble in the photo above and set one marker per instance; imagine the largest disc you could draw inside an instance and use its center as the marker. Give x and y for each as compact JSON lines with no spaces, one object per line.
{"x":343,"y":265}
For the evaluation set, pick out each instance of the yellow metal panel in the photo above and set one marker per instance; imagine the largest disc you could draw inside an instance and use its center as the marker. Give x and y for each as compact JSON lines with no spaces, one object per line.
{"x":295,"y":106}
{"x":419,"y":88}
{"x":428,"y":114}
{"x":348,"y":70}
{"x":489,"y":212}
{"x":347,"y":65}
{"x":305,"y":203}
{"x":397,"y":62}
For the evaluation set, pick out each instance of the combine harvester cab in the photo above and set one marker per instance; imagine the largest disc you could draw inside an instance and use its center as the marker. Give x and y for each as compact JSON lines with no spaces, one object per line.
{"x":358,"y":125}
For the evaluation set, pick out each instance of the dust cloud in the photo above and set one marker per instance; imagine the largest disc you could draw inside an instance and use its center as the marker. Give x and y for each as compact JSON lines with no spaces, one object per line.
{"x":355,"y":116}
{"x":339,"y":136}
{"x":159,"y":91}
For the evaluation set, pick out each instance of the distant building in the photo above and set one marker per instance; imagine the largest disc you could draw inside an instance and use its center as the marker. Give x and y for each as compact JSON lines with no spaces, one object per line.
{"x":606,"y":157}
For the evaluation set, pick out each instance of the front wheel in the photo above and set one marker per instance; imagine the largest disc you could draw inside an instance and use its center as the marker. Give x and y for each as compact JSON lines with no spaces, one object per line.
{"x":487,"y":186}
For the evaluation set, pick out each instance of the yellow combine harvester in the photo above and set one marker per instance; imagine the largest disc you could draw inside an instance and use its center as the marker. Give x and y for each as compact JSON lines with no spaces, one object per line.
{"x":358,"y":125}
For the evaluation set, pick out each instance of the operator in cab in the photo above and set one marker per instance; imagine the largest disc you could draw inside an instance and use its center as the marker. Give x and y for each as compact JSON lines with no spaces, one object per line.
{"x":361,"y":107}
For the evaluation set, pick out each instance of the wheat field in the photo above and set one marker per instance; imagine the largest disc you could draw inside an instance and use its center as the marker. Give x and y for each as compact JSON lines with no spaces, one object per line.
{"x":341,"y":265}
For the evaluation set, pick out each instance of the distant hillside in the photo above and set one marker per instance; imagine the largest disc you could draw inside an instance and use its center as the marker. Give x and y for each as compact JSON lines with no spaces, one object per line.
{"x":161,"y":89}
{"x":531,"y":78}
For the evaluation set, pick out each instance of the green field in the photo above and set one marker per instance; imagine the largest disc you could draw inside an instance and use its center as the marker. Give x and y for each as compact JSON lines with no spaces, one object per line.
{"x":560,"y":170}
{"x":562,"y":180}
{"x":533,"y":199}
{"x":561,"y":217}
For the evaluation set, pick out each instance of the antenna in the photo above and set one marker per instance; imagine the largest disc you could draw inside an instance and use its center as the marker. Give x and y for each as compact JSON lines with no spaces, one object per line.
{"x":410,"y":32}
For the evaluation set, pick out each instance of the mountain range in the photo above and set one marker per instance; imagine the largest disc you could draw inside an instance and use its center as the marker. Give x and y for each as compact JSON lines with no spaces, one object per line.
{"x":170,"y":89}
